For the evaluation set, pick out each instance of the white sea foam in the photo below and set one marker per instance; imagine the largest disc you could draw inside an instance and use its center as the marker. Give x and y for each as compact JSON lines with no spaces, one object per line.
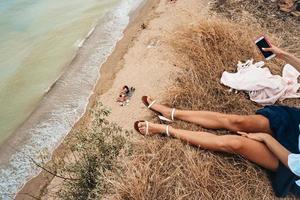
{"x":80,"y":43}
{"x":91,"y":32}
{"x":66,"y":101}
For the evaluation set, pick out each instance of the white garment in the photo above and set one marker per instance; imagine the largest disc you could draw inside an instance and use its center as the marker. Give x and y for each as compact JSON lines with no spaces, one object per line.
{"x":294,"y":165}
{"x":263,"y":87}
{"x":294,"y":161}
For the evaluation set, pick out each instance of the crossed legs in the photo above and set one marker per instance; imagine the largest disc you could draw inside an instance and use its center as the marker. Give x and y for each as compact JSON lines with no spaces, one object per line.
{"x":254,"y":151}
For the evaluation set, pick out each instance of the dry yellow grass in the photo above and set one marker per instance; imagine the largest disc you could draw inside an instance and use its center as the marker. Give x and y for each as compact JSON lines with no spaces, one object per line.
{"x":265,"y":13}
{"x":163,"y":168}
{"x":168,"y":169}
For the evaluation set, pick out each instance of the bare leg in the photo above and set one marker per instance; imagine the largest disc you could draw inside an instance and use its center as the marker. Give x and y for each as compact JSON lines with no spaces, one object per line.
{"x":214,"y":120}
{"x":228,"y":143}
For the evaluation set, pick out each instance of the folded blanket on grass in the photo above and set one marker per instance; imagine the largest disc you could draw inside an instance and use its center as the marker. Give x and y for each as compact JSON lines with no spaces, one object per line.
{"x":262,"y":86}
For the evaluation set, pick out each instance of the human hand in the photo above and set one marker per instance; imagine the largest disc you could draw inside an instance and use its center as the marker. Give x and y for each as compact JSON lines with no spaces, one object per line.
{"x":260,"y":137}
{"x":276,"y":50}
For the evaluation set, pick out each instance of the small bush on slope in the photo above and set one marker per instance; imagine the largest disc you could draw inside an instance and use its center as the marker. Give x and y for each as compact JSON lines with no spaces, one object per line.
{"x":93,"y":155}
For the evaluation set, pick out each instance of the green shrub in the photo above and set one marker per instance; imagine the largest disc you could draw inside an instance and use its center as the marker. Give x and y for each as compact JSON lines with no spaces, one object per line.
{"x":93,"y":154}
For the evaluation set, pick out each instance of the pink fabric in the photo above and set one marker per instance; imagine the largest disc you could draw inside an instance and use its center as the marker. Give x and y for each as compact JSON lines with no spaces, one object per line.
{"x":263,"y":87}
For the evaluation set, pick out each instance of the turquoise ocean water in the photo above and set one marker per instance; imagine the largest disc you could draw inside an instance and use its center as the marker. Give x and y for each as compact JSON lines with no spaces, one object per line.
{"x":50,"y":54}
{"x":37,"y":40}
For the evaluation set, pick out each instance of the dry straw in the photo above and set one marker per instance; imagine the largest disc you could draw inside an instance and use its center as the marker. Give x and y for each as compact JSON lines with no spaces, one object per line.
{"x":163,"y":168}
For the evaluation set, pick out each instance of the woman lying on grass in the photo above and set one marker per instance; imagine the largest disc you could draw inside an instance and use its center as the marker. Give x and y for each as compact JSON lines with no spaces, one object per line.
{"x":269,"y":138}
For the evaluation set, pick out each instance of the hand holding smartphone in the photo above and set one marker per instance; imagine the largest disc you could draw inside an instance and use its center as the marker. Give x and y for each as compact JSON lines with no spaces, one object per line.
{"x":261,"y":43}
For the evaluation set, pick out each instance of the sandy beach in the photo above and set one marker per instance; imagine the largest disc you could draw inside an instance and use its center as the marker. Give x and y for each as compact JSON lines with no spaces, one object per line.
{"x":143,"y":59}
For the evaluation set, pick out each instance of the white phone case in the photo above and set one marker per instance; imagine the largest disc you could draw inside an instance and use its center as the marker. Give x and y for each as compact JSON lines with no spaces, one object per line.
{"x":261,"y":38}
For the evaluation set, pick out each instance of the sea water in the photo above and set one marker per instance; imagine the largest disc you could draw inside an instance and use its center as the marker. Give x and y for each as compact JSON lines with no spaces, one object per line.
{"x":50,"y":55}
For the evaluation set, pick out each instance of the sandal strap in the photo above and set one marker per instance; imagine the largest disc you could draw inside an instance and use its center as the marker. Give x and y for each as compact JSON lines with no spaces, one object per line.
{"x":167,"y":131}
{"x":147,"y":128}
{"x":164,"y":118}
{"x":173,"y":113}
{"x":152,"y":103}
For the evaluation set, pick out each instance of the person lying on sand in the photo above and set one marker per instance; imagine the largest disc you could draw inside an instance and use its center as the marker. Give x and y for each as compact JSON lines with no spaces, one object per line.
{"x":125,"y":95}
{"x":269,"y":138}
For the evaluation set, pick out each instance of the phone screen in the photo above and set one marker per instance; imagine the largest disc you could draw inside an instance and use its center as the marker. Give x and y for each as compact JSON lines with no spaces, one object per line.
{"x":264,"y":44}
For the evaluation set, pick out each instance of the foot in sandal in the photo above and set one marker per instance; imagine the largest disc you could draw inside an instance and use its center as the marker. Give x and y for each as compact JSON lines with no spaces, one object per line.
{"x":166,"y":112}
{"x":148,"y":129}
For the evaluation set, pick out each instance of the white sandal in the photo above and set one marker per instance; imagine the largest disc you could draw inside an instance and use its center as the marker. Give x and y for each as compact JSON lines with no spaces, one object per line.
{"x":167,"y":130}
{"x":166,"y":119}
{"x":160,"y":115}
{"x":136,"y":127}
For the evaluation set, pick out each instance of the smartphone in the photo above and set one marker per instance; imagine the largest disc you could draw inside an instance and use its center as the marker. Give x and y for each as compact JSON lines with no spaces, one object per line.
{"x":261,"y":43}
